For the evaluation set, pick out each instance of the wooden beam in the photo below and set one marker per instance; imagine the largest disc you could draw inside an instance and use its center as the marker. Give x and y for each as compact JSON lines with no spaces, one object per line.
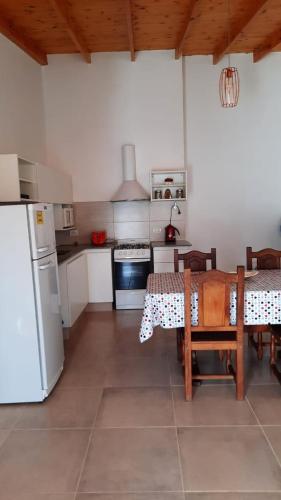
{"x":224,"y":47}
{"x":272,"y":41}
{"x":179,"y":47}
{"x":8,"y":30}
{"x":129,"y":18}
{"x":62,"y":9}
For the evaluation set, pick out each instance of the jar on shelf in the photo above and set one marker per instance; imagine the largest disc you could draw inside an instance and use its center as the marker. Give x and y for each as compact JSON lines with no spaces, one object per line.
{"x":158,"y":194}
{"x":179,"y":193}
{"x":167,"y":194}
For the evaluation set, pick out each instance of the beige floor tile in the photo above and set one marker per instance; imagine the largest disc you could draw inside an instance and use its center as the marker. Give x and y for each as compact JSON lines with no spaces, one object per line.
{"x":233,"y":496}
{"x":79,"y":375}
{"x":131,"y":496}
{"x":3,"y":435}
{"x":266,"y":402}
{"x":124,"y":460}
{"x":137,"y":372}
{"x":134,"y":407}
{"x":228,"y":459}
{"x":36,"y":496}
{"x":9,"y":415}
{"x":64,"y":408}
{"x":211,"y":405}
{"x":42,"y":461}
{"x":274,"y":435}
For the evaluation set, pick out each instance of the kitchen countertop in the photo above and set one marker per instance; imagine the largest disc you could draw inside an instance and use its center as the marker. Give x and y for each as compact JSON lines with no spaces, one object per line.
{"x":72,"y":250}
{"x":177,"y":243}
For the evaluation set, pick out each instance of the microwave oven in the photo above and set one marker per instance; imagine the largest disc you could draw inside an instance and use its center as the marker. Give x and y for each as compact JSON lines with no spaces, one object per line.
{"x":64,"y":217}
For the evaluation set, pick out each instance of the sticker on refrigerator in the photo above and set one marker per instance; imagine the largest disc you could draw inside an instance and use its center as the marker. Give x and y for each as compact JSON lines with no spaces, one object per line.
{"x":39,"y":217}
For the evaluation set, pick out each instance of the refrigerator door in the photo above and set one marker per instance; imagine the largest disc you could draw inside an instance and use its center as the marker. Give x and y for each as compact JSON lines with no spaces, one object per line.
{"x":49,"y":320}
{"x":42,"y":229}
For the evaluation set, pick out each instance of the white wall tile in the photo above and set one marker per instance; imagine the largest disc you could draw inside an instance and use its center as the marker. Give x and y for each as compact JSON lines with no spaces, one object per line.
{"x":125,"y":230}
{"x":161,"y":210}
{"x":131,"y":211}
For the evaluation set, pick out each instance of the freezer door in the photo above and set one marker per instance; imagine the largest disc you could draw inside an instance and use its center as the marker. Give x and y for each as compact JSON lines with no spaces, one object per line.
{"x":49,"y":320}
{"x":42,"y":229}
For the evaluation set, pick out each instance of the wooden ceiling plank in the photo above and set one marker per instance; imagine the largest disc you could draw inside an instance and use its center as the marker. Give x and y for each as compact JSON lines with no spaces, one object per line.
{"x":179,"y":48}
{"x":268,"y":46}
{"x":28,"y":46}
{"x":129,"y":18}
{"x":61,"y":8}
{"x":251,"y":14}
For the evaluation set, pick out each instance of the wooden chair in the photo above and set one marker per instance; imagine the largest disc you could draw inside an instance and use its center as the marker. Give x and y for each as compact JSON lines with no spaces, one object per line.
{"x":214,"y":331}
{"x":275,"y":341}
{"x":268,"y":258}
{"x":196,"y":261}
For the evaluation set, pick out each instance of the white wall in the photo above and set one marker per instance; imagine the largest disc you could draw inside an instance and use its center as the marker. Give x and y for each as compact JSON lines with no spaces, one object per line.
{"x":21,"y":104}
{"x":91,"y":110}
{"x":234,"y":159}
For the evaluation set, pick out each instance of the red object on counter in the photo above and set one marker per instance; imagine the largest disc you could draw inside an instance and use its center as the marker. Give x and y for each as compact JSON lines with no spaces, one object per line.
{"x":98,"y":237}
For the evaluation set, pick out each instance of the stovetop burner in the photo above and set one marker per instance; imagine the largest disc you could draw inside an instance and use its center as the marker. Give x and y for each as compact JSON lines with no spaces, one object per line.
{"x":129,"y":246}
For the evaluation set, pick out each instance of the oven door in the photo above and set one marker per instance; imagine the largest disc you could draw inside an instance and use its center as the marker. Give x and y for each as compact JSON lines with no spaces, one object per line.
{"x":131,"y":274}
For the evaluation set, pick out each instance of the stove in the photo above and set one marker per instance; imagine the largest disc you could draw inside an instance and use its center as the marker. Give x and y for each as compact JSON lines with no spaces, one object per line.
{"x":132,"y":265}
{"x":132,"y":250}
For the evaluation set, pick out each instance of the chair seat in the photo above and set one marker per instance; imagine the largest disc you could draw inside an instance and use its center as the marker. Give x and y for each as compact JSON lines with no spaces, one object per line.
{"x":212,"y":336}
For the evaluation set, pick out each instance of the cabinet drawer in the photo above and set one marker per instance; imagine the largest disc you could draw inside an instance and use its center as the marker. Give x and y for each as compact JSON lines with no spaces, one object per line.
{"x":167,"y":254}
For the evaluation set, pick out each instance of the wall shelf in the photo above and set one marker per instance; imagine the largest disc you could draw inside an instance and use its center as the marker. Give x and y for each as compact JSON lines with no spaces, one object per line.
{"x":177,"y":188}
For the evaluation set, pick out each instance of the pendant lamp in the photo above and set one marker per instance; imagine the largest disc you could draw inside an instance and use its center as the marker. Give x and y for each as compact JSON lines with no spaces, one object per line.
{"x":229,"y":85}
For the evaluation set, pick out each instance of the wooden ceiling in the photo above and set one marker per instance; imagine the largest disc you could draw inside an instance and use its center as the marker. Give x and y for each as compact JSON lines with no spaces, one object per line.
{"x":42,"y":27}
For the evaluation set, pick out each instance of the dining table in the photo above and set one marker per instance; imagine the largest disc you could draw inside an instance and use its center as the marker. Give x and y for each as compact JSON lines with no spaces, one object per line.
{"x":164,"y":301}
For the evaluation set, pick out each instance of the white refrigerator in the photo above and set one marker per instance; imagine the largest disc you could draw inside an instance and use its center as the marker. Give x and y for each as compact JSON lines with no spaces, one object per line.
{"x":31,"y":338}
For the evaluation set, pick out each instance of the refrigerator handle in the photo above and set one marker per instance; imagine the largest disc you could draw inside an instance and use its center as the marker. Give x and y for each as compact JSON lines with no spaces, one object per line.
{"x":46,"y":266}
{"x":43,"y":249}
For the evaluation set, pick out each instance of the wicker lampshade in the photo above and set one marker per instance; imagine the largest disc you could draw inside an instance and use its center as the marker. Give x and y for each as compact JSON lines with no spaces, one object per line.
{"x":229,"y":87}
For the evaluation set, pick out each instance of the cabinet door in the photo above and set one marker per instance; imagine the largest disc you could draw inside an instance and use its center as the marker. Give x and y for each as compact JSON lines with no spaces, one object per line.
{"x":53,"y":186}
{"x":100,"y":276}
{"x":77,"y":283}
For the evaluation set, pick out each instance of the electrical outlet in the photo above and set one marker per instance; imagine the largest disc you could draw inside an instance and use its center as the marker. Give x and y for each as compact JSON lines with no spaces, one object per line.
{"x":157,"y":230}
{"x":73,"y":232}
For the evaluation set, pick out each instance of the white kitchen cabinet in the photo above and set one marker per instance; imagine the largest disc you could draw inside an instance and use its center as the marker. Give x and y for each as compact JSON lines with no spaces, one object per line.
{"x":54,"y":186}
{"x":18,"y":178}
{"x":100,"y":275}
{"x":74,"y":289}
{"x":163,"y":258}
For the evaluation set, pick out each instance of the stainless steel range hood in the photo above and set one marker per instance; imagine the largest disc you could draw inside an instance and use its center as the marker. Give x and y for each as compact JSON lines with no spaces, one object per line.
{"x":130,"y":189}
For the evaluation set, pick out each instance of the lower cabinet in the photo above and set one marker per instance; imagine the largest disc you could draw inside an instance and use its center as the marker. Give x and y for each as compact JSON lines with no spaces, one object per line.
{"x":74,"y":290}
{"x":164,"y":258}
{"x":100,"y":275}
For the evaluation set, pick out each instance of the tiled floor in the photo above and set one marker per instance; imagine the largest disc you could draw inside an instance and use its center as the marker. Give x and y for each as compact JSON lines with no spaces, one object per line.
{"x":117,"y":426}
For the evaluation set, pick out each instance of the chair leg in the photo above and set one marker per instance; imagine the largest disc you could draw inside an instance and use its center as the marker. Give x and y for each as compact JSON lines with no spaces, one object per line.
{"x":228,"y":361}
{"x":239,"y":374}
{"x":179,"y":345}
{"x":188,"y":373}
{"x":260,"y":346}
{"x":272,"y":350}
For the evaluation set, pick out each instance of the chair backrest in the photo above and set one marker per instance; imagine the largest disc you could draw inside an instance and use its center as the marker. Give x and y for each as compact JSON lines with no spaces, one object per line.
{"x":195,"y":260}
{"x":268,"y":258}
{"x":214,"y":288}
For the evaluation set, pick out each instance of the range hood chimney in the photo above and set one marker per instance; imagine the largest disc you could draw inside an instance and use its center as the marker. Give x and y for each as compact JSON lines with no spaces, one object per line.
{"x":130,"y":189}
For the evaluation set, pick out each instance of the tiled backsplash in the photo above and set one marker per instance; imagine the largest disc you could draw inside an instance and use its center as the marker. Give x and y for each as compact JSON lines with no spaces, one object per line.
{"x":123,"y":220}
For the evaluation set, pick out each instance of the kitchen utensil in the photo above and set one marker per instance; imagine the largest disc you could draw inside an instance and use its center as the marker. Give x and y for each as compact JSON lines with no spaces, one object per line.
{"x":170,"y":233}
{"x":98,"y":237}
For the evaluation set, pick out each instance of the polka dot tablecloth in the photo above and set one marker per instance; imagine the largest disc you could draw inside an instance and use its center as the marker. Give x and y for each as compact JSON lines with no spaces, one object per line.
{"x":164,"y":301}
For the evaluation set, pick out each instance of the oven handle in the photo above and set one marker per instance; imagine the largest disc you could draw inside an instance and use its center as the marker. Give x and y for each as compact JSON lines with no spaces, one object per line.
{"x":131,"y":260}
